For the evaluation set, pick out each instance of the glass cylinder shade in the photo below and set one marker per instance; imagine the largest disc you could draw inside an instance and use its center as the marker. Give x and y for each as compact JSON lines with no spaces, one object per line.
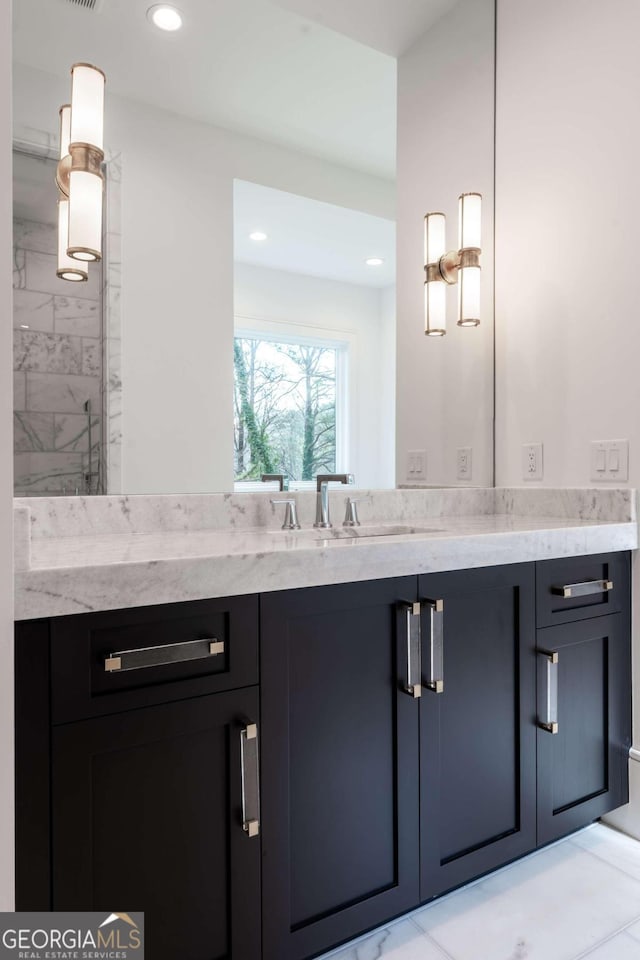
{"x":470,"y":220}
{"x":68,"y":269}
{"x":85,"y":216}
{"x":87,"y":105}
{"x":435,"y":308}
{"x":469,"y":296}
{"x":65,"y":130}
{"x":434,"y":237}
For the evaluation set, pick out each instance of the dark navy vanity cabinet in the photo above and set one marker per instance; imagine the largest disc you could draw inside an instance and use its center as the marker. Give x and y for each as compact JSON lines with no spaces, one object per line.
{"x":267,"y":777}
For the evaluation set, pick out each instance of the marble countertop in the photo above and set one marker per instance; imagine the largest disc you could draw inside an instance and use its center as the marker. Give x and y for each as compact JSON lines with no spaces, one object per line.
{"x":89,"y":571}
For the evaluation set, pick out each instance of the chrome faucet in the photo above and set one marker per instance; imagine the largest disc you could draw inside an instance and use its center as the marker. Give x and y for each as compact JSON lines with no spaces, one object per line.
{"x":322,"y":496}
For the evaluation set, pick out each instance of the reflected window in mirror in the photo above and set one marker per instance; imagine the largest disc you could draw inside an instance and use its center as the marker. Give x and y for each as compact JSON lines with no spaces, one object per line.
{"x":290,"y":411}
{"x":314,"y":306}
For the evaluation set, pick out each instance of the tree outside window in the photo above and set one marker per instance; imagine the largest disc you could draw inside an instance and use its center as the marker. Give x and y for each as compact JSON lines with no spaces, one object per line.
{"x":284,"y":409}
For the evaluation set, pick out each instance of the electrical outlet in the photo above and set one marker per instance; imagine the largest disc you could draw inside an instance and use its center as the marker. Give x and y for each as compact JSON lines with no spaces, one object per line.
{"x":416,"y":465}
{"x":463,"y":460}
{"x":610,"y":461}
{"x":532,"y":468}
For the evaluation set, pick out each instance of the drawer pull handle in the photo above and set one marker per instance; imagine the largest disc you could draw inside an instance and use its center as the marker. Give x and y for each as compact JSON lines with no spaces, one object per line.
{"x":586,"y":589}
{"x":413,"y":685}
{"x":123,"y":660}
{"x":250,"y":780}
{"x":435,"y":663}
{"x":550,"y":721}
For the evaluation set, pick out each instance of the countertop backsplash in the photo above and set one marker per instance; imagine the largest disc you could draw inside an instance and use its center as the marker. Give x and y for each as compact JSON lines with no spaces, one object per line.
{"x":61,"y":517}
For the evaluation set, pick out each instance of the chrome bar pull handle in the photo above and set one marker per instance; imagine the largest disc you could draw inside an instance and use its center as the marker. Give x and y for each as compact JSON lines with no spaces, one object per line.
{"x":587,"y":589}
{"x":550,"y":719}
{"x":434,"y":680}
{"x":144,"y":657}
{"x":250,"y":780}
{"x":413,"y":637}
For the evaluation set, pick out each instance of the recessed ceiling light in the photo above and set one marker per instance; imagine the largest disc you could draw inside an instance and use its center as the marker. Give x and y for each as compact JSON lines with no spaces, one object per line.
{"x":24,"y":326}
{"x":374,"y":262}
{"x":258,"y":235}
{"x":165,"y":17}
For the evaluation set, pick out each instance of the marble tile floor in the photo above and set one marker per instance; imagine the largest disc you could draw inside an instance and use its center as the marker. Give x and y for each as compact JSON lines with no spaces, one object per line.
{"x":579,"y":898}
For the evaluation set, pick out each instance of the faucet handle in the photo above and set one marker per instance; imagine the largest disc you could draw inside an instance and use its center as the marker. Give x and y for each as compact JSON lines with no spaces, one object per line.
{"x":290,"y":515}
{"x":351,"y":515}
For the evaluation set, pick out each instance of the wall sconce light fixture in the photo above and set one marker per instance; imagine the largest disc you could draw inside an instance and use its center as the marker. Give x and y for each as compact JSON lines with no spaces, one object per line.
{"x":79,"y":174}
{"x":443,"y":268}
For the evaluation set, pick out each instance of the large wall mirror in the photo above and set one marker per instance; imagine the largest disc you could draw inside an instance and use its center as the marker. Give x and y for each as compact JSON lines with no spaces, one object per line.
{"x":259,"y":308}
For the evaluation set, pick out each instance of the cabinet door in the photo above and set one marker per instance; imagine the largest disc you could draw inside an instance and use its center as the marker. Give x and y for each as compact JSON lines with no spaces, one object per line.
{"x":477,"y":739}
{"x":33,"y":766}
{"x":340,"y":765}
{"x":583,"y":767}
{"x":147,"y":815}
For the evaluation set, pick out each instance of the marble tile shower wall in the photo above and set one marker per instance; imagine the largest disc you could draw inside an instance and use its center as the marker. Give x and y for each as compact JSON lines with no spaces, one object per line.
{"x":112,"y":330}
{"x":58,"y":363}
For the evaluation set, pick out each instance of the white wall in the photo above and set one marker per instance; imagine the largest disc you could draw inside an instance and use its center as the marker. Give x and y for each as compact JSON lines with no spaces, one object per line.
{"x":568,"y":155}
{"x":387,"y":391}
{"x":178,"y":274}
{"x":6,"y":476}
{"x":445,"y":148}
{"x":367,"y":315}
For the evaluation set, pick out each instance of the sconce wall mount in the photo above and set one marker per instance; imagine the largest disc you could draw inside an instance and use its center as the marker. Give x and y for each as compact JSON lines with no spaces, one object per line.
{"x":81,"y":157}
{"x":448,"y":266}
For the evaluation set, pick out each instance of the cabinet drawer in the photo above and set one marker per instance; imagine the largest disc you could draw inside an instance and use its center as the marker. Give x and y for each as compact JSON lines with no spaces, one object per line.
{"x":576,"y":588}
{"x":103,"y":663}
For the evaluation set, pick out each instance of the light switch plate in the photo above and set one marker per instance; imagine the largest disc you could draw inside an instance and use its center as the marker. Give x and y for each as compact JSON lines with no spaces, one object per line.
{"x":416,"y":465}
{"x":532,"y":467}
{"x":610,"y":461}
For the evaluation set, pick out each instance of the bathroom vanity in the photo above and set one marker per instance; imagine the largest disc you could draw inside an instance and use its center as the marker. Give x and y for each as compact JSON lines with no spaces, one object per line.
{"x":268,"y":772}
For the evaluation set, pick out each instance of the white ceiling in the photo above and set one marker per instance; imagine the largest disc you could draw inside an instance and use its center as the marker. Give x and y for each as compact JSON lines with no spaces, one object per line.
{"x":247,"y":65}
{"x":306,"y":236}
{"x":390,"y":26}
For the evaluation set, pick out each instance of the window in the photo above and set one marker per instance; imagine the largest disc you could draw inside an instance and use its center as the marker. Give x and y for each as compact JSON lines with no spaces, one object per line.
{"x":286,"y":407}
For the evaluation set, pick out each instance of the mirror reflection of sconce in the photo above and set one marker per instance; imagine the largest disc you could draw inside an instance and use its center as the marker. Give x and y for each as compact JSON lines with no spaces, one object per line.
{"x":460,"y":266}
{"x":79,"y":174}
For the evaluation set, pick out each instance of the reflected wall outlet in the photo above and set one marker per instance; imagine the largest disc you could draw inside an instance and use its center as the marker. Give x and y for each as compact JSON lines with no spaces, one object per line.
{"x":463,"y":463}
{"x":610,"y":460}
{"x":532,"y":461}
{"x":416,"y":465}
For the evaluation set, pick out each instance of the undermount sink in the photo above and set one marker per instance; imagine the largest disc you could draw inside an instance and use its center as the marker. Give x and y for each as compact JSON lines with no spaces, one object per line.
{"x":363,"y":532}
{"x":381,"y":530}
